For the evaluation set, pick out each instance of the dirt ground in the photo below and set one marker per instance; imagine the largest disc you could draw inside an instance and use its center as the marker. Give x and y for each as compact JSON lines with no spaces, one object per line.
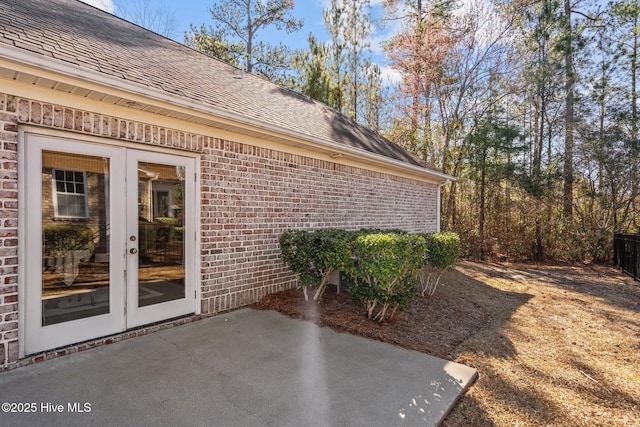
{"x":553,"y":345}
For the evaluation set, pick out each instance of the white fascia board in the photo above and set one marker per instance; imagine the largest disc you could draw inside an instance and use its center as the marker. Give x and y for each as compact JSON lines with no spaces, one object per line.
{"x":124,"y":88}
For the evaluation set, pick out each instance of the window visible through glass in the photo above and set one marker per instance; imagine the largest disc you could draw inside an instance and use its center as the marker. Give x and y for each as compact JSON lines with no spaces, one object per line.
{"x":70,"y":193}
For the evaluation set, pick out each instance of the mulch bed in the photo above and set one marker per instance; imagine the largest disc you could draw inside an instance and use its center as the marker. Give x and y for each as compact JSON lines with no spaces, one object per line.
{"x":433,"y":325}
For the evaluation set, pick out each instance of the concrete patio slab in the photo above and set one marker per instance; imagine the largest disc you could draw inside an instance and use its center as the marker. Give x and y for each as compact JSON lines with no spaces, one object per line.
{"x":244,"y":368}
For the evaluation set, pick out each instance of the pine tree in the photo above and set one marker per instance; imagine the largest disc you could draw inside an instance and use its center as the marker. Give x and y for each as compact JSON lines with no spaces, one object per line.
{"x":238,"y":24}
{"x":310,"y":74}
{"x":356,"y":81}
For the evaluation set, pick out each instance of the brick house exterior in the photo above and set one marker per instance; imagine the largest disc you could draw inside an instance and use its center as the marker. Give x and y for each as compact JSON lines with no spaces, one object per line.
{"x":254,"y":181}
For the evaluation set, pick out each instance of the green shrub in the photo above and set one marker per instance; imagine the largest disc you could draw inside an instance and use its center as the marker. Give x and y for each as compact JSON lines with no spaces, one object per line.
{"x":443,"y":249}
{"x":384,"y":272}
{"x":173,"y":222}
{"x":58,"y":239}
{"x":313,"y":256}
{"x":178,"y":233}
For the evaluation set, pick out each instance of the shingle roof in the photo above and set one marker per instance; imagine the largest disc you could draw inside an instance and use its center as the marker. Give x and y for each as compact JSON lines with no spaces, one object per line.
{"x":79,"y":34}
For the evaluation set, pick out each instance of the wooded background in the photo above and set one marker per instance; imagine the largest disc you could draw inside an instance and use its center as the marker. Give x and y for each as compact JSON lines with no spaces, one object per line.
{"x":531,"y":104}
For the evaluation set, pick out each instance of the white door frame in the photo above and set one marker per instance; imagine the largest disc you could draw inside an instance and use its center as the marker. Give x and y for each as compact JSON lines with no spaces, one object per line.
{"x":33,"y":337}
{"x":137,"y":316}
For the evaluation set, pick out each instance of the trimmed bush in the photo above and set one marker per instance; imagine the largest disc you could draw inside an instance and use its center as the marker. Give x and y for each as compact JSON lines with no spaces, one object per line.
{"x":443,"y":249}
{"x":387,"y":269}
{"x":313,"y":256}
{"x":384,"y":272}
{"x":173,"y":228}
{"x":166,"y":220}
{"x":58,"y":239}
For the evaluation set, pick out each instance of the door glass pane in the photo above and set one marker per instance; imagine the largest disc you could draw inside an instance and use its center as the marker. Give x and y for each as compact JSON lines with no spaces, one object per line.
{"x":75,"y":237}
{"x":160,"y":233}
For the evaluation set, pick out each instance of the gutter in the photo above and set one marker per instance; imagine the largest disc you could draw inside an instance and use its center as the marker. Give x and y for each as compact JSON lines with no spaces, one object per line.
{"x":123,"y":88}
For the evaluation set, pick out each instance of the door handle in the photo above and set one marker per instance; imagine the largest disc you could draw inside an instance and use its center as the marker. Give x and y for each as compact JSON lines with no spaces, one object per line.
{"x":133,"y":251}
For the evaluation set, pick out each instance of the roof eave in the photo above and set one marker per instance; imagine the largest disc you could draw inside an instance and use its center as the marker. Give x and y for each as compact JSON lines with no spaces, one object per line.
{"x":153,"y":96}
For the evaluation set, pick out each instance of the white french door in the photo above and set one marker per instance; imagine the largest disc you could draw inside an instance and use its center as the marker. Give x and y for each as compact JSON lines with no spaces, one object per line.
{"x":109,"y":239}
{"x":161,"y":285}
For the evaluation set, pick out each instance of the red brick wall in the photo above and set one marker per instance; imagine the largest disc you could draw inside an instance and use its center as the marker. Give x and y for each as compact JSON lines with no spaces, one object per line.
{"x":8,"y":230}
{"x":249,"y":195}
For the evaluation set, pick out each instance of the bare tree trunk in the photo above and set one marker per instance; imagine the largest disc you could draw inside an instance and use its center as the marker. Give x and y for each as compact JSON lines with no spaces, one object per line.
{"x":249,"y":52}
{"x":567,"y":199}
{"x":539,"y":249}
{"x":415,"y":108}
{"x":635,"y":150}
{"x":449,"y":215}
{"x":483,"y":177}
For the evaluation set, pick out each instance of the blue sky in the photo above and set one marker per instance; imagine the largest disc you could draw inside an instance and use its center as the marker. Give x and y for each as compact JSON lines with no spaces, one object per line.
{"x":197,"y":12}
{"x":310,"y":11}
